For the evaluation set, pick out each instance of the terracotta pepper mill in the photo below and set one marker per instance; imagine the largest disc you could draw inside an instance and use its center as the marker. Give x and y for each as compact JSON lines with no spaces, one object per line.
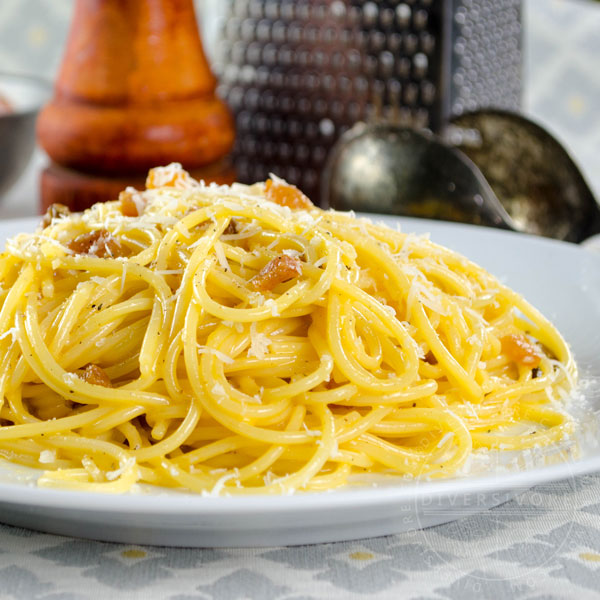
{"x":134,"y":91}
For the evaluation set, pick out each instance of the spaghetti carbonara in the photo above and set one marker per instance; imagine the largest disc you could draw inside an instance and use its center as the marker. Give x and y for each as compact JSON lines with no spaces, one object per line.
{"x":240,"y":340}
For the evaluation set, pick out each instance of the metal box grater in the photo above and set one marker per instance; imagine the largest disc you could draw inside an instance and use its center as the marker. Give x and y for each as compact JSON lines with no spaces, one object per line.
{"x":298,"y":73}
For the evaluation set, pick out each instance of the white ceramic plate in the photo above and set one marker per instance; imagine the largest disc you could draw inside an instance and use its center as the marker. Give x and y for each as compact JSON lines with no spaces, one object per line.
{"x":561,"y":279}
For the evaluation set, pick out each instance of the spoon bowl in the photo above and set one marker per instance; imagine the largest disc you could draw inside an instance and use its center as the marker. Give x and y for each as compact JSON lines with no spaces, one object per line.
{"x":384,"y":168}
{"x":531,"y":173}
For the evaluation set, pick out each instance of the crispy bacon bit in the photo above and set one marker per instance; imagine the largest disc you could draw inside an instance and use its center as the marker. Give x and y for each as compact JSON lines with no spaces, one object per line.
{"x":132,"y":203}
{"x":54,"y":211}
{"x":286,"y":195}
{"x":519,"y":349}
{"x":96,"y":376}
{"x":430,"y":358}
{"x":280,"y":269}
{"x":231,"y":228}
{"x":100,"y":243}
{"x":172,"y":175}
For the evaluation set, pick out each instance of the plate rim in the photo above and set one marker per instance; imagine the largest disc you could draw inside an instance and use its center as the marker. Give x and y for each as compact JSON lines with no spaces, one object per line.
{"x":191,"y":503}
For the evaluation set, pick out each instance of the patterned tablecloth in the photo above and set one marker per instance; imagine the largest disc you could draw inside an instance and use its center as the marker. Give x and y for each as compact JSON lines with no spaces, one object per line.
{"x":543,"y":544}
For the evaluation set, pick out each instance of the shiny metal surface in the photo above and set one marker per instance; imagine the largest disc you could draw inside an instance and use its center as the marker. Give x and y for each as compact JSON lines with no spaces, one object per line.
{"x":299,"y":73}
{"x":485,"y":55}
{"x":530,"y":172}
{"x":384,"y":168}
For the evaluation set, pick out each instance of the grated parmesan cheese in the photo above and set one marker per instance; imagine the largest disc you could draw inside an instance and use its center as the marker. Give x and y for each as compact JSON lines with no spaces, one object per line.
{"x":273,"y":306}
{"x":220,"y":484}
{"x":220,"y":253}
{"x":292,"y":253}
{"x":47,"y":456}
{"x":127,"y":464}
{"x":217,"y":353}
{"x":259,"y":343}
{"x":218,"y":390}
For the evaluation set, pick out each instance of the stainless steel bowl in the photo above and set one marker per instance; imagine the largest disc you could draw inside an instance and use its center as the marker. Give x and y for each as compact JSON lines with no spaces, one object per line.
{"x":25,"y":95}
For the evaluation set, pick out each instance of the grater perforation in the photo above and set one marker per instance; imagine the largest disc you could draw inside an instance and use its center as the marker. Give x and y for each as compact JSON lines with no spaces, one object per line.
{"x":298,"y":73}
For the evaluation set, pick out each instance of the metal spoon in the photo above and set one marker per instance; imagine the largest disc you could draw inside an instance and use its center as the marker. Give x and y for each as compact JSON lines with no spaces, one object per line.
{"x":381,"y":167}
{"x":532,"y":174}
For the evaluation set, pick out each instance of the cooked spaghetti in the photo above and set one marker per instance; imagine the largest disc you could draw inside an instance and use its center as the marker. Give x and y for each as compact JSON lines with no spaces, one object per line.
{"x":240,"y":340}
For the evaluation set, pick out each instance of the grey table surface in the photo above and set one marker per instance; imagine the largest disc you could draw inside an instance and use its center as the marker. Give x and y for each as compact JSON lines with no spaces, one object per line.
{"x":543,"y":544}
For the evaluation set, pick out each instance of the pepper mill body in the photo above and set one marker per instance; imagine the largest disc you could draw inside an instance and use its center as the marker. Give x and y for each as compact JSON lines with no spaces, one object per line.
{"x":134,"y":91}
